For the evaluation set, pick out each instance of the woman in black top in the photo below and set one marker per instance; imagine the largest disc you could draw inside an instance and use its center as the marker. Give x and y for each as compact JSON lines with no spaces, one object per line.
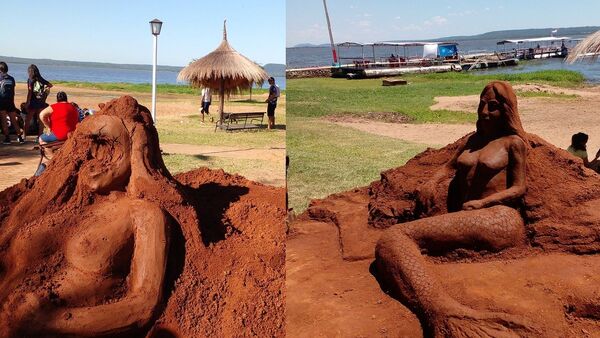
{"x":37,"y":91}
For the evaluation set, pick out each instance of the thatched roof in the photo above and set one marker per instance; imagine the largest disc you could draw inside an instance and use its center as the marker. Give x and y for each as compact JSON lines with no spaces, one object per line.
{"x":223,"y":66}
{"x":588,"y":48}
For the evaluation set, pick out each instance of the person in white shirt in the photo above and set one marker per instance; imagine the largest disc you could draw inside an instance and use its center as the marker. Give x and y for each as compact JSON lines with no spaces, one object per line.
{"x":206,"y":100}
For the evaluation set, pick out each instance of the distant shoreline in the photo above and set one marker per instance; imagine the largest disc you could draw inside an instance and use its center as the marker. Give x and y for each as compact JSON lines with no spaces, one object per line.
{"x":501,"y":34}
{"x":275,"y":69}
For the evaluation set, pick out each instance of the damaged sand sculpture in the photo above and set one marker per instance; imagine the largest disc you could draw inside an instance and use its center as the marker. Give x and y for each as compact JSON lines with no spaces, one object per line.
{"x":106,"y":242}
{"x":488,"y":183}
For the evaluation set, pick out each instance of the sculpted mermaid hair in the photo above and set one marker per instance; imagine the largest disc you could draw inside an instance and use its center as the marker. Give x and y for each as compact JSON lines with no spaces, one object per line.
{"x":508,"y":99}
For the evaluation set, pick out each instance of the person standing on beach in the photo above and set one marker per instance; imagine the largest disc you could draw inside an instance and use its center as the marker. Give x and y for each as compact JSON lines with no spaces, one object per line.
{"x":274,"y":93}
{"x":7,"y":104}
{"x":37,"y":92}
{"x":206,"y":100}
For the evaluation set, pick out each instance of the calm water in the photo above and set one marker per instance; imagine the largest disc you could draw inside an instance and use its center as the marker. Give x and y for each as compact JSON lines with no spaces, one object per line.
{"x":321,"y":56}
{"x":103,"y":74}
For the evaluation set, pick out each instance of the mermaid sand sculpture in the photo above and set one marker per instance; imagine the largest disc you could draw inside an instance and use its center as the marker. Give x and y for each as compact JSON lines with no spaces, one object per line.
{"x":84,"y":251}
{"x":488,"y":185}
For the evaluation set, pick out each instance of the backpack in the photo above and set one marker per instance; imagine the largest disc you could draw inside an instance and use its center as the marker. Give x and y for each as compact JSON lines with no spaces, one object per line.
{"x":7,"y":87}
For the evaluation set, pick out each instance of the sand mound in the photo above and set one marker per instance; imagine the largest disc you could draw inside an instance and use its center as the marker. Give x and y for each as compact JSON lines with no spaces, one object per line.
{"x":559,"y":208}
{"x":225,"y":260}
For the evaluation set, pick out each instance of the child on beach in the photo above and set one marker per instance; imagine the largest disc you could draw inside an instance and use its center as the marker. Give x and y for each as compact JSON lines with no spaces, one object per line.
{"x":578,"y":148}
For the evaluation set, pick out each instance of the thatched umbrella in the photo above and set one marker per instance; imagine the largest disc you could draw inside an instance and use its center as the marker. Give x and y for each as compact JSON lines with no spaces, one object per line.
{"x":224,"y":70}
{"x":588,"y":47}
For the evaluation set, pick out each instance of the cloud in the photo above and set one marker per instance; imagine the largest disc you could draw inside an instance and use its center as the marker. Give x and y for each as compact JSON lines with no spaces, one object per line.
{"x":436,"y":21}
{"x":431,"y":22}
{"x":364,"y":23}
{"x":411,"y":27}
{"x":465,"y":13}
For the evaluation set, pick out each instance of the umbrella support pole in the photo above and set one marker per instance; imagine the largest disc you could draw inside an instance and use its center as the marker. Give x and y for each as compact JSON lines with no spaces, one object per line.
{"x":221,"y":100}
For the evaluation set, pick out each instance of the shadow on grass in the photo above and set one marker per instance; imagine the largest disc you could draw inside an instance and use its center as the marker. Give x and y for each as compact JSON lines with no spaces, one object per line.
{"x":249,"y":101}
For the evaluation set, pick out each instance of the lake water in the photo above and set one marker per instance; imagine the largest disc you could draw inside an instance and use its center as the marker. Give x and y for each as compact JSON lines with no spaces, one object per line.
{"x":103,"y":74}
{"x":301,"y":57}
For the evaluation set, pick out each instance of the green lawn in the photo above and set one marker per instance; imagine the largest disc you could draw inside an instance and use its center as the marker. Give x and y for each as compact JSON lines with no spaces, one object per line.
{"x":177,"y":163}
{"x":326,"y":96}
{"x":189,"y":130}
{"x":326,"y":158}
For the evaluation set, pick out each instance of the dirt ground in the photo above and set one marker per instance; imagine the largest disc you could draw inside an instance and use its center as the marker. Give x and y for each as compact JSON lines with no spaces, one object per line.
{"x":332,"y":288}
{"x":554,"y":119}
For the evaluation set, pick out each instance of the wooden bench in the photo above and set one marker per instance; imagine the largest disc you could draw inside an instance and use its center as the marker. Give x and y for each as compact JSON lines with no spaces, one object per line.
{"x":233,"y":121}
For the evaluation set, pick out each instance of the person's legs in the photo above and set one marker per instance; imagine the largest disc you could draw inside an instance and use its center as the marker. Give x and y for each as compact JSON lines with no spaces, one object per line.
{"x":39,"y":122}
{"x":47,"y":138}
{"x":271,"y":115}
{"x":15,"y":123}
{"x":4,"y":126}
{"x":32,"y":114}
{"x":402,"y":266}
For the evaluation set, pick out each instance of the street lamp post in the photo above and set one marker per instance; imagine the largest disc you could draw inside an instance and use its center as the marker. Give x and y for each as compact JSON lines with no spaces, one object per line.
{"x":155,"y":26}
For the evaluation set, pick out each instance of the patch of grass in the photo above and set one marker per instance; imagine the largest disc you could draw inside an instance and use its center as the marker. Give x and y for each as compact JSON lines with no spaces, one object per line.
{"x":177,"y":163}
{"x":326,"y":158}
{"x":561,"y":78}
{"x":325,"y":96}
{"x":545,"y":94}
{"x":189,"y":130}
{"x":146,"y":87}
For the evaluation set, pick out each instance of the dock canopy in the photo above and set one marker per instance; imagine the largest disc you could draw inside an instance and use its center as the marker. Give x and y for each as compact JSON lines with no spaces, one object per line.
{"x":544,"y":39}
{"x":394,"y":44}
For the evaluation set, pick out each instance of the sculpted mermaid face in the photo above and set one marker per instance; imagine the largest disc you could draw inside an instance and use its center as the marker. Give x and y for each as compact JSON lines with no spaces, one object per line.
{"x":490,"y":113}
{"x":109,"y":165}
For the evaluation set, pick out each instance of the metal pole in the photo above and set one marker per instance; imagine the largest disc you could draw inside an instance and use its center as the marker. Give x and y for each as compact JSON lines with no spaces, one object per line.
{"x":154,"y":79}
{"x":335,"y":58}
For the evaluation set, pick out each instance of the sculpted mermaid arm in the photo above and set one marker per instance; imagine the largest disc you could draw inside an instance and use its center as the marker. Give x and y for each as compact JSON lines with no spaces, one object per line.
{"x":144,"y":293}
{"x":515,"y":172}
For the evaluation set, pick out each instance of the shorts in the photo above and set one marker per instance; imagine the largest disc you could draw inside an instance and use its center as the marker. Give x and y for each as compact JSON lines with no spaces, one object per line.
{"x":37,"y":105}
{"x":8,"y":106}
{"x":205,"y":106}
{"x":271,"y":109}
{"x":49,"y":137}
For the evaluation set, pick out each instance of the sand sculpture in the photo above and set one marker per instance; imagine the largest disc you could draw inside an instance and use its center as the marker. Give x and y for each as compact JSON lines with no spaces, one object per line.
{"x":106,"y":242}
{"x":488,"y":182}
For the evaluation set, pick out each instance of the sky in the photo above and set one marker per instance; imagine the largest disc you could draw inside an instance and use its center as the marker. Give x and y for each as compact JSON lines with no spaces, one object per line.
{"x":118,"y":31}
{"x":381,"y":20}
